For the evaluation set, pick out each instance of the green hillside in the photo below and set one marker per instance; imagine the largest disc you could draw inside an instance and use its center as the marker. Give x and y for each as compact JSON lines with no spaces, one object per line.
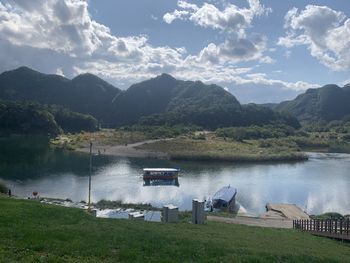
{"x":86,"y":93}
{"x":327,"y":103}
{"x":157,"y":101}
{"x":33,"y":232}
{"x":34,"y":118}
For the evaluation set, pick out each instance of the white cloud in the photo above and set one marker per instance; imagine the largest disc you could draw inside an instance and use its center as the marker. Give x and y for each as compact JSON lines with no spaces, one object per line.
{"x":231,"y":18}
{"x":324,"y":31}
{"x":170,"y":17}
{"x":236,"y":50}
{"x":56,"y":36}
{"x":233,"y":21}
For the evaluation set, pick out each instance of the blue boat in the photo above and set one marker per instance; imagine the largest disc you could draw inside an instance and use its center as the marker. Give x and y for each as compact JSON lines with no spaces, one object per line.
{"x":225,"y":198}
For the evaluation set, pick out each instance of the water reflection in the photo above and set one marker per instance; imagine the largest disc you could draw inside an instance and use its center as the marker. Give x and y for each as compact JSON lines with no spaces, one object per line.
{"x":318,"y":185}
{"x":159,"y":182}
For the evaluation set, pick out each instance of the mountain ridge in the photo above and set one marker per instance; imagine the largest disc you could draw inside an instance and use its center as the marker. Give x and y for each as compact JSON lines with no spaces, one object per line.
{"x":326,"y":103}
{"x":162,"y":99}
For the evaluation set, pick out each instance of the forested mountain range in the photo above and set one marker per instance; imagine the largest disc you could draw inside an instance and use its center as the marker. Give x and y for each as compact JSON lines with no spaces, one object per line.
{"x":327,"y":103}
{"x":34,"y":118}
{"x":85,"y":94}
{"x":160,"y":100}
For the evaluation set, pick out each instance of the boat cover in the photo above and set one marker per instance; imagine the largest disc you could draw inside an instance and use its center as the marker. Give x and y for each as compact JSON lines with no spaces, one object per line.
{"x":161,"y":169}
{"x":226,"y":194}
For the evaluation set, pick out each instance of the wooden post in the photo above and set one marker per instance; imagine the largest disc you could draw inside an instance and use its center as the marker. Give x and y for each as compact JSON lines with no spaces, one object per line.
{"x":90,"y":172}
{"x":315,"y":226}
{"x":341,"y":226}
{"x":336,"y":226}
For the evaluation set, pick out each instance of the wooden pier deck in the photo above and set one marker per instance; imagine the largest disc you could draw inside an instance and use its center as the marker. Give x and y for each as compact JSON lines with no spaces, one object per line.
{"x":337,"y":229}
{"x":289,"y":211}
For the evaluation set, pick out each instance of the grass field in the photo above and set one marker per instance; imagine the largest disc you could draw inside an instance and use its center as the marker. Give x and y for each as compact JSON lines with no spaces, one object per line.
{"x":102,"y":137}
{"x":208,"y":146}
{"x":214,"y":148}
{"x":33,"y":232}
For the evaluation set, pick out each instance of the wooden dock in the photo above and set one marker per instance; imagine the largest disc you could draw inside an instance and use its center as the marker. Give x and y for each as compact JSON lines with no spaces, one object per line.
{"x":333,"y":228}
{"x":286,"y":211}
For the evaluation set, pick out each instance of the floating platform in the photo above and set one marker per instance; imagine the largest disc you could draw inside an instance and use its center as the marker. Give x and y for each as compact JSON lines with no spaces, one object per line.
{"x":284,"y":211}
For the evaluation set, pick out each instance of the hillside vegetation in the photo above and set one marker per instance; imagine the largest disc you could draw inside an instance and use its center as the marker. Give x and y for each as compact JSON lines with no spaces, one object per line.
{"x":86,"y":93}
{"x":323,"y":104}
{"x":33,"y":232}
{"x":33,"y":118}
{"x":163,"y":100}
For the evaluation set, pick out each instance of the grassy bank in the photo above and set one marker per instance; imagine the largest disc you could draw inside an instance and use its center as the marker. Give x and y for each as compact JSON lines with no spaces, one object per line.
{"x":102,"y":137}
{"x":122,"y":136}
{"x":209,"y":147}
{"x":33,"y":232}
{"x":214,"y":146}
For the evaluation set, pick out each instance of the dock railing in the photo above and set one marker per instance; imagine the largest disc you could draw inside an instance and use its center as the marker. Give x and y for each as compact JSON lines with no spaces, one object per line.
{"x":334,"y":228}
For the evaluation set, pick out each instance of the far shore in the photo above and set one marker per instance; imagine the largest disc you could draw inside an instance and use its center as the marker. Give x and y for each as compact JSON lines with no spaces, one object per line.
{"x":144,"y":149}
{"x":126,"y":150}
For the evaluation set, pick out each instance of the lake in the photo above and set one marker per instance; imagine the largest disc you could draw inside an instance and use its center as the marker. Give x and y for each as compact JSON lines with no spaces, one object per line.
{"x":319,"y":185}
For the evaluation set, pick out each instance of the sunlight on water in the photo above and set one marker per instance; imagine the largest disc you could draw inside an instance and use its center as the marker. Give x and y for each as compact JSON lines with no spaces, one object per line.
{"x":318,"y":185}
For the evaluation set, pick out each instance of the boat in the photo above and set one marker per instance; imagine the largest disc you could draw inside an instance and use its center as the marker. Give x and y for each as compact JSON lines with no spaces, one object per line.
{"x":224,"y":199}
{"x":160,"y":173}
{"x":161,"y":182}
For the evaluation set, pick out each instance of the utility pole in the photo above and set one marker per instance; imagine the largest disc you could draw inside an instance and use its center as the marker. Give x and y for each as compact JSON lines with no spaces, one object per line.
{"x":90,"y":172}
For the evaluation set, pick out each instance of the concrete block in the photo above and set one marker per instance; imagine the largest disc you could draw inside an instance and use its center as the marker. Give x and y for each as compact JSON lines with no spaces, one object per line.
{"x":136,"y":216}
{"x":198,"y":214}
{"x":170,"y":214}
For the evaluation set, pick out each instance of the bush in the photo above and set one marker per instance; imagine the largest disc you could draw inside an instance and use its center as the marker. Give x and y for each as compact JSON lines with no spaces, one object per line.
{"x":256,"y":132}
{"x":3,"y":188}
{"x":331,"y":215}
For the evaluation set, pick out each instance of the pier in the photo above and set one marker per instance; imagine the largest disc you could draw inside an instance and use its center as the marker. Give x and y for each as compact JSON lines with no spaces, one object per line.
{"x":333,"y":228}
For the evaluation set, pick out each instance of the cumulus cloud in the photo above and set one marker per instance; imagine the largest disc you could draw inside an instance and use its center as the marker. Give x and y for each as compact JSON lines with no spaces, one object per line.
{"x":231,"y":18}
{"x":236,"y":50}
{"x":60,"y":36}
{"x":232,"y":21}
{"x":326,"y":33}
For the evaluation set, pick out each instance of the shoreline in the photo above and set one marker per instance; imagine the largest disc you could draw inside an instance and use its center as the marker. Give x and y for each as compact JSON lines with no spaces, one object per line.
{"x":133,"y":151}
{"x":127,"y":150}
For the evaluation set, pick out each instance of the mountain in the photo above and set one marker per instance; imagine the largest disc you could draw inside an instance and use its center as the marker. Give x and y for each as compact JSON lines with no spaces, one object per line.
{"x":157,"y":101}
{"x":166,"y":96}
{"x":85,"y":94}
{"x":34,"y":118}
{"x":327,"y":103}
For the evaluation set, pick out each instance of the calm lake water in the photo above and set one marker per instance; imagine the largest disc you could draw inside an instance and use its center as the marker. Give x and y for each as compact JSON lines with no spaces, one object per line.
{"x":319,"y":185}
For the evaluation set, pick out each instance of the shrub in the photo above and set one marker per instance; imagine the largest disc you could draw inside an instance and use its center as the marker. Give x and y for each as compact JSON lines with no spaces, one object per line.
{"x":3,"y":188}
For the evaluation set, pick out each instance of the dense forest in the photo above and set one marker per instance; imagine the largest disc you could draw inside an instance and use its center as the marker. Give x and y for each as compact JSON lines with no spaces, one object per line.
{"x":163,"y":100}
{"x":324,"y":104}
{"x":34,"y":118}
{"x":159,"y":101}
{"x":85,"y":94}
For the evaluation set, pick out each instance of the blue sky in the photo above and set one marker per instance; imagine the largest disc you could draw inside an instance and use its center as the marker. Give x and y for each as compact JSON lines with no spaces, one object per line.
{"x":261,"y":51}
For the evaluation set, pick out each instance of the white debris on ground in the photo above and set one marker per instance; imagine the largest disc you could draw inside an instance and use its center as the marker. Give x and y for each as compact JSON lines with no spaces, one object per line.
{"x":119,"y":213}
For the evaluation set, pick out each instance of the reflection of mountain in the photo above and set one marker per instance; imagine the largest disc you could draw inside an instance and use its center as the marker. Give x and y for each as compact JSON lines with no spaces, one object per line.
{"x":24,"y":157}
{"x":159,"y":182}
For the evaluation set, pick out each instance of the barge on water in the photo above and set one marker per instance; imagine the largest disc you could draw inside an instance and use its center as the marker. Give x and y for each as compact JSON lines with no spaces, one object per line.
{"x":160,"y":176}
{"x":160,"y":173}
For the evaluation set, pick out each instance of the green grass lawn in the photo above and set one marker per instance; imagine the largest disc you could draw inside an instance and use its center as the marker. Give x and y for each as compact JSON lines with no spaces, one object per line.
{"x":33,"y":232}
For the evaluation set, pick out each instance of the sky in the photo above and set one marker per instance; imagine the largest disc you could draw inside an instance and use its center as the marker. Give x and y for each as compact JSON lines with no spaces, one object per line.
{"x":261,"y":51}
